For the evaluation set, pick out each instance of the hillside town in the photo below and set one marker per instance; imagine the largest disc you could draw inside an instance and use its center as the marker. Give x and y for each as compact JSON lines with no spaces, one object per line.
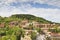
{"x":29,"y":27}
{"x":25,"y":28}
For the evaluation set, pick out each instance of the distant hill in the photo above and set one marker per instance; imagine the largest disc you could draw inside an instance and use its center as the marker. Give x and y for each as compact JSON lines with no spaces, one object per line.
{"x":31,"y":17}
{"x":20,"y":17}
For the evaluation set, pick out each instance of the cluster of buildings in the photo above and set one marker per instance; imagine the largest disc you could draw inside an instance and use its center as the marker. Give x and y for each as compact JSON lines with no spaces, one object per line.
{"x":25,"y":24}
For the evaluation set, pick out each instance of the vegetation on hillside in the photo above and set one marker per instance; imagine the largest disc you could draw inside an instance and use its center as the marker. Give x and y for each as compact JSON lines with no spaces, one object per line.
{"x":16,"y":32}
{"x":30,"y":17}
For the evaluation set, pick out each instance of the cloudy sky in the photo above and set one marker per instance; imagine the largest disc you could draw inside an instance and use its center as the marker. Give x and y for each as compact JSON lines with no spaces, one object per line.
{"x":48,"y":9}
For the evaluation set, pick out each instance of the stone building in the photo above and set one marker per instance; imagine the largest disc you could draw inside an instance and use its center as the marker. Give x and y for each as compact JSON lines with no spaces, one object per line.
{"x":2,"y":25}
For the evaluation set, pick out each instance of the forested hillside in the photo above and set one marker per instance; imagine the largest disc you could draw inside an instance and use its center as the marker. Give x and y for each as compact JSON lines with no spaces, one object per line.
{"x":30,"y":17}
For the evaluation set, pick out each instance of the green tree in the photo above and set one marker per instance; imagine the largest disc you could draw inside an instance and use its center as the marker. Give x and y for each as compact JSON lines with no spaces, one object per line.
{"x":2,"y":31}
{"x":33,"y":35}
{"x":20,"y":33}
{"x":9,"y":37}
{"x":10,"y":32}
{"x":39,"y":30}
{"x":31,"y":26}
{"x":55,"y":30}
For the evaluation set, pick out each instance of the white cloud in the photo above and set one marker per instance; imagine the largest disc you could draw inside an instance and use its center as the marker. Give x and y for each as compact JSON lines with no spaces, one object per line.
{"x":49,"y":14}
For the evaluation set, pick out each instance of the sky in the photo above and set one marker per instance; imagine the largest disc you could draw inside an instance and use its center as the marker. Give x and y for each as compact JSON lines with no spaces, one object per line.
{"x":47,"y":9}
